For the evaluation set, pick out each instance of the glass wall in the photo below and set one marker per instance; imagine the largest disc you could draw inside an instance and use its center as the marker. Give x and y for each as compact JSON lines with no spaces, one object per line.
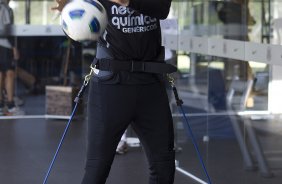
{"x":229,"y":58}
{"x":34,"y":12}
{"x":51,"y":67}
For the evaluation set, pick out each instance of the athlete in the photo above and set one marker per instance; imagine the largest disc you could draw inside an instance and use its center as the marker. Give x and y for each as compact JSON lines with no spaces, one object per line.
{"x":128,"y":88}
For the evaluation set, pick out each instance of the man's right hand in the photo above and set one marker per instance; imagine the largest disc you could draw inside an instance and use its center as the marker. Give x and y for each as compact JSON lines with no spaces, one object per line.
{"x":121,"y":2}
{"x":60,"y":5}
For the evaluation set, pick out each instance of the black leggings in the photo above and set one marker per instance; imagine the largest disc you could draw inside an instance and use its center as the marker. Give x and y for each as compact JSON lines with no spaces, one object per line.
{"x":111,"y":108}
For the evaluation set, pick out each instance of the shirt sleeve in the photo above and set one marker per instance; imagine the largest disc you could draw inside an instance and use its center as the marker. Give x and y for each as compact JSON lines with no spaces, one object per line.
{"x":154,"y":8}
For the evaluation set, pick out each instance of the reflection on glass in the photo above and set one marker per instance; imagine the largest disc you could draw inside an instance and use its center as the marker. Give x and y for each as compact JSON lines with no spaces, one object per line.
{"x":226,"y":99}
{"x":40,"y":12}
{"x":48,"y":61}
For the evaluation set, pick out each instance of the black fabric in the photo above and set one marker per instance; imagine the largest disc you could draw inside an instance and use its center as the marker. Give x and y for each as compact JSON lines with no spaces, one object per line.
{"x":122,"y":77}
{"x":231,"y":12}
{"x":154,"y":8}
{"x":135,"y":66}
{"x":1,"y":105}
{"x":126,"y":77}
{"x":11,"y":104}
{"x":135,"y":98}
{"x":6,"y":61}
{"x":111,"y":108}
{"x":131,"y":35}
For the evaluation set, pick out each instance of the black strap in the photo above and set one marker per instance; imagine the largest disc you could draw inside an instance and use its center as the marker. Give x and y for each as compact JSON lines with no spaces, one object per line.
{"x":134,"y":66}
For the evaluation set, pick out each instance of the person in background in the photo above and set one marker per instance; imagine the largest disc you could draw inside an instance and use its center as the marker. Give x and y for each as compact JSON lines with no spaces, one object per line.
{"x":8,"y":55}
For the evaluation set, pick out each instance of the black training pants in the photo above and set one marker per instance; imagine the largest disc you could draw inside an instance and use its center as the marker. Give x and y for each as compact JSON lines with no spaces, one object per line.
{"x":111,"y":108}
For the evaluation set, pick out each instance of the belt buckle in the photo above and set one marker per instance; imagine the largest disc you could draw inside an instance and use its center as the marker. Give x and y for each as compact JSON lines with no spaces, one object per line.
{"x":137,"y":66}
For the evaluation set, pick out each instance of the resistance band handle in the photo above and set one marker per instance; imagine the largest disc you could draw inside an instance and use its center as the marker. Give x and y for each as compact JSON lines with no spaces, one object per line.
{"x":179,"y":102}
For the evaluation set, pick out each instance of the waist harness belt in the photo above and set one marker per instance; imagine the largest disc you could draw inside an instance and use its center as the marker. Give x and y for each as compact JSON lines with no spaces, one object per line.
{"x":133,"y":66}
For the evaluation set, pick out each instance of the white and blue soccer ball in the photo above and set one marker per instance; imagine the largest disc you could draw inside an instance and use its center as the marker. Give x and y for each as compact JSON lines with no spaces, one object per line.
{"x":84,"y":20}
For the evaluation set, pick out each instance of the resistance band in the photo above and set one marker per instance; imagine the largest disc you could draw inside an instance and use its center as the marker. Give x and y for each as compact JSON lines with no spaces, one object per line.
{"x":76,"y":100}
{"x":179,"y":103}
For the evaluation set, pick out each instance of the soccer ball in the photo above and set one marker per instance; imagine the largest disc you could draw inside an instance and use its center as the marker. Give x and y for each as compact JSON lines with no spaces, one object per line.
{"x":84,"y":20}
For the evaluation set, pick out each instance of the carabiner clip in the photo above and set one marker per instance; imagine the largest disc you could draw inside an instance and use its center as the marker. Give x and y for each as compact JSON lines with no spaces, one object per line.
{"x":88,"y":76}
{"x":170,"y":80}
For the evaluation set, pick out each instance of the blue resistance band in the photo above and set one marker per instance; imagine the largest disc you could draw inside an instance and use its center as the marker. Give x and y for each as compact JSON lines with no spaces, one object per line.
{"x":179,"y":103}
{"x":77,"y":99}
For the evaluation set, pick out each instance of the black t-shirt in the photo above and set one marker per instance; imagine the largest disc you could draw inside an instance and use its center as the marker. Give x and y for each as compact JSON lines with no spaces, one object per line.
{"x":131,"y":35}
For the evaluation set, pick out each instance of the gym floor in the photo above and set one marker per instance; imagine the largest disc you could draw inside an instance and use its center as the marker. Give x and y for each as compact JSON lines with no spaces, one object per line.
{"x":28,"y":145}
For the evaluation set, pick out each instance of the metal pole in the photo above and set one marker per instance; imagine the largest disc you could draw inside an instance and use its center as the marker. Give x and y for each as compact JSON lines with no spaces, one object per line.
{"x":27,"y":11}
